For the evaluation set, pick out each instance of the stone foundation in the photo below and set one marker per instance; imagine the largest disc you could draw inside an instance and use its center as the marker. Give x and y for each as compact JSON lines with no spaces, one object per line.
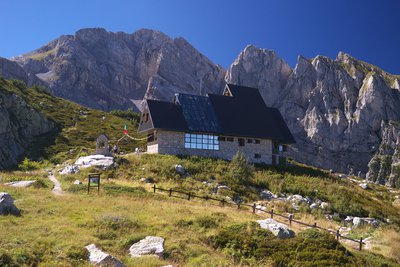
{"x":169,"y":142}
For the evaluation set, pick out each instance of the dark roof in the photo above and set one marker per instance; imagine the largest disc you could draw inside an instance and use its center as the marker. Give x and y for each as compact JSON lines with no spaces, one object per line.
{"x":242,"y":114}
{"x":164,"y":115}
{"x":199,"y":113}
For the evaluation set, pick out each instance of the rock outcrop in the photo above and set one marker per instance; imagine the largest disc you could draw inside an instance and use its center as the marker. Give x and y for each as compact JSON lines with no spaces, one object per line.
{"x":100,"y":258}
{"x":278,"y":229}
{"x":151,"y":245}
{"x":334,"y":108}
{"x":107,"y":70}
{"x":20,"y":124}
{"x":21,"y":183}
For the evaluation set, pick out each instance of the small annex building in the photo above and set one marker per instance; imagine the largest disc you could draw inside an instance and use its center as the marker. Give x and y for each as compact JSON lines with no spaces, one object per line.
{"x":217,"y":126}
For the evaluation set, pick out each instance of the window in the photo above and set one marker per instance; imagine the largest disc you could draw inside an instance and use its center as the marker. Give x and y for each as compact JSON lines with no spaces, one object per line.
{"x":221,"y":138}
{"x":257,"y":156}
{"x":241,"y":141}
{"x":201,"y":141}
{"x":249,"y":141}
{"x":229,"y":139}
{"x":256,"y":141}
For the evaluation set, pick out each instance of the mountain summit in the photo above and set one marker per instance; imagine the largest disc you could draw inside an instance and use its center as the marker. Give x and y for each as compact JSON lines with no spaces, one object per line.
{"x":107,"y":70}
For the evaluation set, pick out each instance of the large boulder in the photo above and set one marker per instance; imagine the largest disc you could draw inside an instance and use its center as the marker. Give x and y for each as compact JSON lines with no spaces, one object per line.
{"x":180,"y":170}
{"x":21,"y":183}
{"x":278,"y":229}
{"x":151,"y":245}
{"x":360,"y":222}
{"x":100,"y":258}
{"x":7,"y":205}
{"x":99,"y":161}
{"x":268,"y":195}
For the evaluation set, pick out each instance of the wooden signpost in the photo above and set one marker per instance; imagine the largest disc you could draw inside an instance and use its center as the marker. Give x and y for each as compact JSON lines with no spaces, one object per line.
{"x":94,"y":181}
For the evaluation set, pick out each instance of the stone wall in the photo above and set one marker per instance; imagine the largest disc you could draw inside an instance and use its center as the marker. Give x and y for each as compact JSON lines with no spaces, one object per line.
{"x":169,"y":142}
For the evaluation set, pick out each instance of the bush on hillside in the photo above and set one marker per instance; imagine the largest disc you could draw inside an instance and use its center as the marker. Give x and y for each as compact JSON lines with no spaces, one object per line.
{"x":310,"y":248}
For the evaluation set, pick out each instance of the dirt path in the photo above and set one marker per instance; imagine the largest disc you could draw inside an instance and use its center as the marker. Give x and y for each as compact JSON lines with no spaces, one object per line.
{"x":57,"y":190}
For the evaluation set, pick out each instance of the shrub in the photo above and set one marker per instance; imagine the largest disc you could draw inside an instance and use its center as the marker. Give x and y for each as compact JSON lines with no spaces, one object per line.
{"x":5,"y":259}
{"x":240,"y":173}
{"x":28,"y":165}
{"x":310,"y":248}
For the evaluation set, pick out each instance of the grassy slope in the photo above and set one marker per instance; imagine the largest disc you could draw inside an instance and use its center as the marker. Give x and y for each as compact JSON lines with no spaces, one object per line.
{"x":79,"y":126}
{"x":58,"y":227}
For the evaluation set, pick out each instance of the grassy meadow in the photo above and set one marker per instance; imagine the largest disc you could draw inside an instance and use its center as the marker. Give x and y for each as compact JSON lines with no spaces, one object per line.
{"x":53,"y":230}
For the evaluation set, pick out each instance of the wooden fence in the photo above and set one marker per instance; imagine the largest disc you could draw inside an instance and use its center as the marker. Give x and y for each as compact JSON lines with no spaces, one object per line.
{"x":253,"y":209}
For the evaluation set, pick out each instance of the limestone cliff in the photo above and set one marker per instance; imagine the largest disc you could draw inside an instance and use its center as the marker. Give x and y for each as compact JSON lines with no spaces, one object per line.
{"x":107,"y":70}
{"x":20,"y":125}
{"x":334,"y":108}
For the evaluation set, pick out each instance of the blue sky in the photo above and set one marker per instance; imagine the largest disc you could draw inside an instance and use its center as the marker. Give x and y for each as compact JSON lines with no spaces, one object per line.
{"x":368,"y":30}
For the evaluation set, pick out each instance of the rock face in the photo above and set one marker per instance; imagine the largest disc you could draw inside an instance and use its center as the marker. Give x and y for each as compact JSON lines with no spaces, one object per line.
{"x":384,"y":167}
{"x":151,"y":245}
{"x":11,"y":70}
{"x":106,"y":70}
{"x":20,"y":124}
{"x":334,"y":108}
{"x":278,"y":229}
{"x":260,"y":68}
{"x":7,"y":205}
{"x":99,"y":258}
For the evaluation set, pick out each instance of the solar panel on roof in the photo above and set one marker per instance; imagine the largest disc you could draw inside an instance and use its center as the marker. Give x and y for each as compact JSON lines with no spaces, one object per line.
{"x":199,"y":113}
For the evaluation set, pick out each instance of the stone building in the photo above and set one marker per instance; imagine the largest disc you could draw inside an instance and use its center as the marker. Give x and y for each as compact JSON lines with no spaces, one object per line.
{"x":217,"y":126}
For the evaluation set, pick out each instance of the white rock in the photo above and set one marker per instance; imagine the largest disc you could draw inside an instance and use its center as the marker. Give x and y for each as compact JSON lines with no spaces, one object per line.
{"x":100,"y":258}
{"x":77,"y":182}
{"x":95,"y":160}
{"x":349,"y":219}
{"x":364,"y":186}
{"x":314,"y":206}
{"x":151,"y":245}
{"x":7,"y":205}
{"x":21,"y":183}
{"x":324,"y":205}
{"x":278,"y":229}
{"x":70,"y":170}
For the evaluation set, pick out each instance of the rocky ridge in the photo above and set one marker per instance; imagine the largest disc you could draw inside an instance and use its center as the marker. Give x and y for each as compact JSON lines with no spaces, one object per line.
{"x":334,"y":108}
{"x":107,"y":70}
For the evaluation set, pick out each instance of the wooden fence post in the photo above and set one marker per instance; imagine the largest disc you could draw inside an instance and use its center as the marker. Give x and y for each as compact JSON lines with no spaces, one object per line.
{"x":337,"y":234}
{"x":206,"y":197}
{"x":223,"y":202}
{"x":315,"y":225}
{"x":361,"y":242}
{"x":290,"y":219}
{"x":189,"y":196}
{"x":254,"y":207}
{"x":154,"y":188}
{"x":272,"y":213}
{"x":170,"y":192}
{"x":238,"y":204}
